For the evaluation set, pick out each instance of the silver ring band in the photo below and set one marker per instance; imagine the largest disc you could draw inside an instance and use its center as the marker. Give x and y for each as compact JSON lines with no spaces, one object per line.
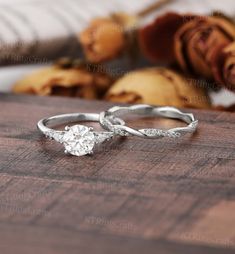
{"x":78,"y":139}
{"x":147,"y":110}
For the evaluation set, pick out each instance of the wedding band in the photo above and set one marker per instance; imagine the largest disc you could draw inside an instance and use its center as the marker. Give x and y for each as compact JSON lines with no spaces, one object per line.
{"x":106,"y":119}
{"x":78,"y":140}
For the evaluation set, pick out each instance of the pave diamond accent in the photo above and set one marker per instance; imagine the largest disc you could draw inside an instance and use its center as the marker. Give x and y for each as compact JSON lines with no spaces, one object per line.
{"x":160,"y":133}
{"x":194,"y":125}
{"x":100,"y":137}
{"x":110,"y":123}
{"x":79,"y":140}
{"x":56,"y":135}
{"x":120,"y":132}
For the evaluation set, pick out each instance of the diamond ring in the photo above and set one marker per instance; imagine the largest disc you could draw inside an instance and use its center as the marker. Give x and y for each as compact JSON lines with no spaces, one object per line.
{"x":106,"y":119}
{"x":78,"y":140}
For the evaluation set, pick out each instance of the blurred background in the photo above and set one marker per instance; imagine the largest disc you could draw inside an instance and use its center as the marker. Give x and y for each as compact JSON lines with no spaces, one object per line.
{"x":36,"y":33}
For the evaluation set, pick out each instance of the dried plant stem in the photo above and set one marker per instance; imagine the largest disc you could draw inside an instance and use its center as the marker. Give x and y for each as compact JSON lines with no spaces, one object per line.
{"x":153,"y":7}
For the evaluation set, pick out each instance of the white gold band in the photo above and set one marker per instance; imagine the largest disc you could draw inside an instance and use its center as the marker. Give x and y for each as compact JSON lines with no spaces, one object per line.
{"x":148,"y":111}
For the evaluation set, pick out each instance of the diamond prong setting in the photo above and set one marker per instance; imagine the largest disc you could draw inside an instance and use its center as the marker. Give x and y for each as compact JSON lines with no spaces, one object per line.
{"x":67,"y":128}
{"x":79,"y":140}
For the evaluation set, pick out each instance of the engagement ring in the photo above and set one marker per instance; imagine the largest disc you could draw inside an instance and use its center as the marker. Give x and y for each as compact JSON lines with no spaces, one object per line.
{"x":77,"y":139}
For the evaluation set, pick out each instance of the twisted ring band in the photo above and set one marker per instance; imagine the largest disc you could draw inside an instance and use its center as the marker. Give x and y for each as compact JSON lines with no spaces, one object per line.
{"x":106,"y":119}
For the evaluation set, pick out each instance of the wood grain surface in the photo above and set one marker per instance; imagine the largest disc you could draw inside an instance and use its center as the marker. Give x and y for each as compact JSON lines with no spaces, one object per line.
{"x":132,"y":196}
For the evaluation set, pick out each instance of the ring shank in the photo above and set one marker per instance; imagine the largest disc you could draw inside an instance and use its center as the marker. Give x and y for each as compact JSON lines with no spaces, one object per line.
{"x":146,"y":111}
{"x":65,"y":119}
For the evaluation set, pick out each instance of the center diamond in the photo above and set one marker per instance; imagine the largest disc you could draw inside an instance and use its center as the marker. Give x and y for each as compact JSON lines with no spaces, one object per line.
{"x":79,"y":140}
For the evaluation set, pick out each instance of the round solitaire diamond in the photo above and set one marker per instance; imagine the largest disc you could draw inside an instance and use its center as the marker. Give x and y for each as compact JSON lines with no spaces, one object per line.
{"x":79,"y":140}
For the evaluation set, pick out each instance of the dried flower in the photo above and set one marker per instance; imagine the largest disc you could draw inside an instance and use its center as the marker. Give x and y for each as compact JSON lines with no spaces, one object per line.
{"x":66,"y":77}
{"x":104,"y":39}
{"x":224,"y":66}
{"x":156,"y":39}
{"x":108,"y":37}
{"x":158,"y":86}
{"x":198,"y":41}
{"x":191,"y":41}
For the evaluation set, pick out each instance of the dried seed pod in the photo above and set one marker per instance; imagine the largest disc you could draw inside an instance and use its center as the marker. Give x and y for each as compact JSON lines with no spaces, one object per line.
{"x":65,"y":78}
{"x":224,"y":66}
{"x":158,"y":86}
{"x":103,"y":40}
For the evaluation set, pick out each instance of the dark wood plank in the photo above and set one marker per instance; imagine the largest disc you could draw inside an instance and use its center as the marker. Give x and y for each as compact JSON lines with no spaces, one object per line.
{"x":132,"y":195}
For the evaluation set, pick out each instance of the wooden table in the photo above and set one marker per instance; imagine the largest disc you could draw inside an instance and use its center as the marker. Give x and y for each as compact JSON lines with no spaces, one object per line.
{"x":131,"y":196}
